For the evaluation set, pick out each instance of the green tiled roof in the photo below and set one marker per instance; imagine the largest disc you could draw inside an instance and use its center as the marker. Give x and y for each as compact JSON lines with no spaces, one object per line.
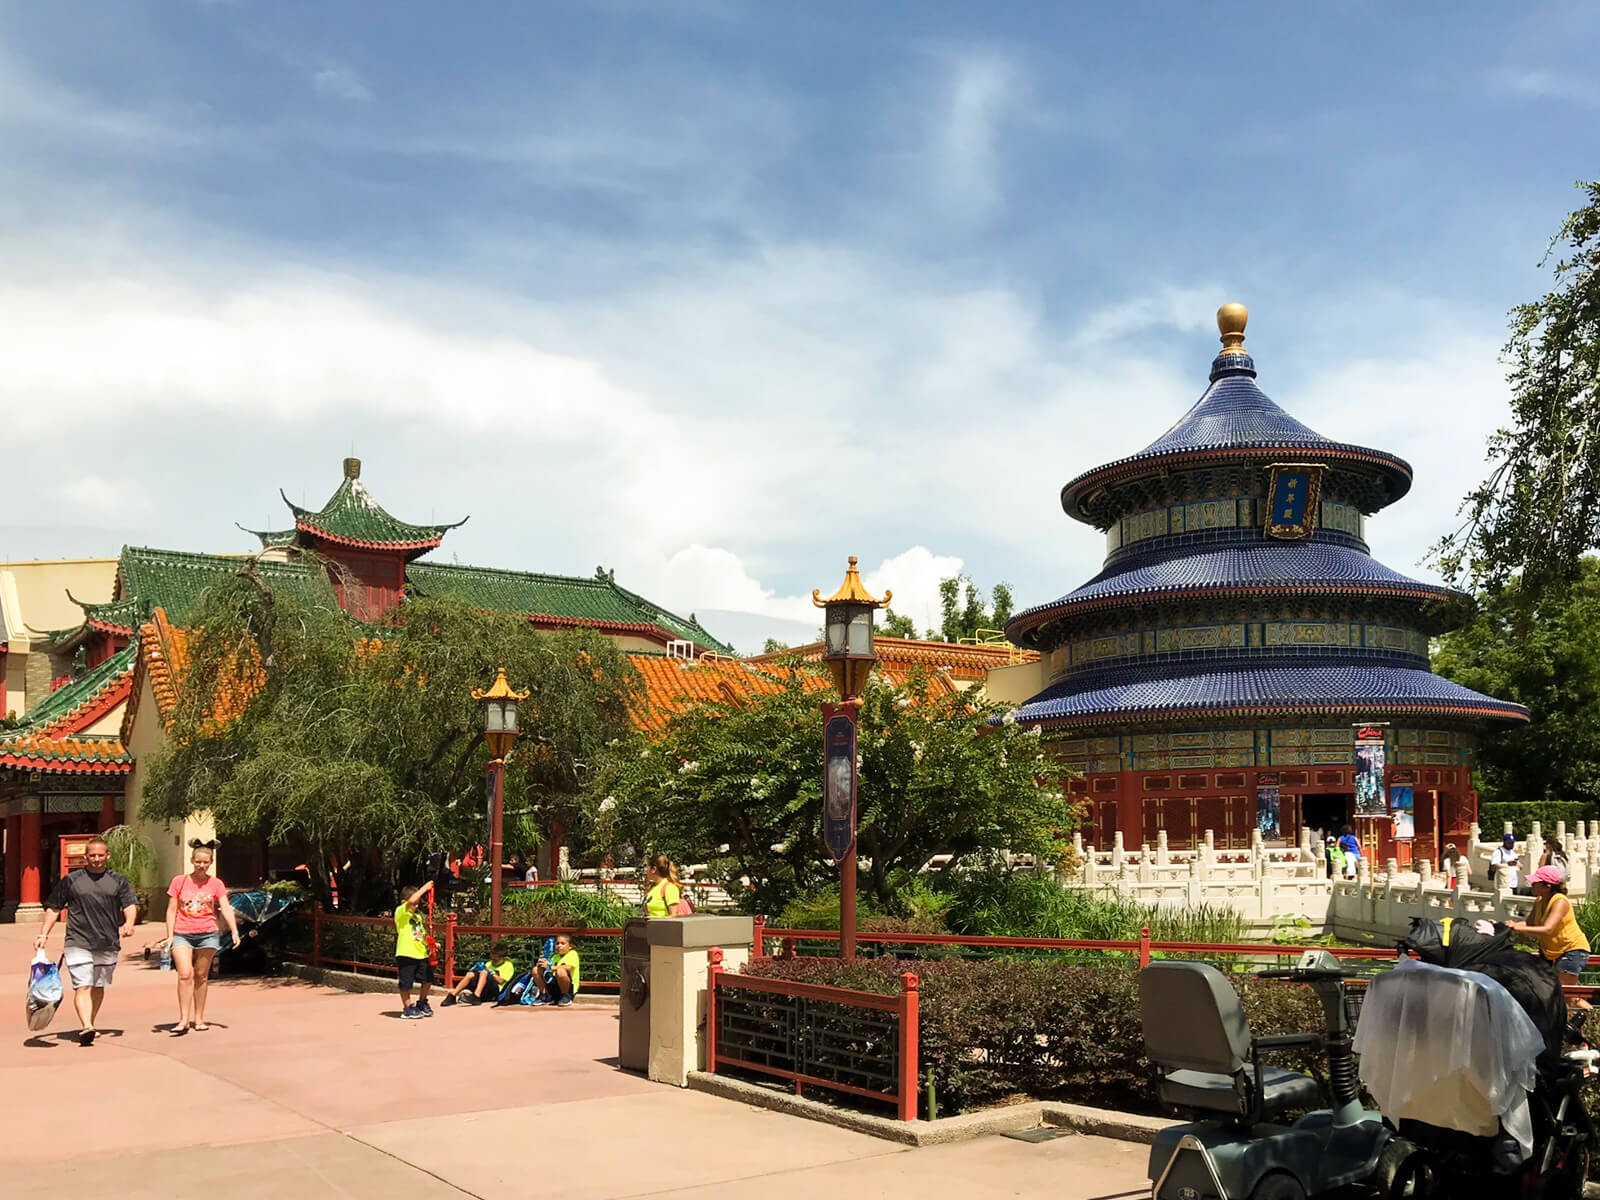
{"x":67,"y":699}
{"x":173,"y":579}
{"x":353,"y":516}
{"x":561,"y":596}
{"x":123,"y":614}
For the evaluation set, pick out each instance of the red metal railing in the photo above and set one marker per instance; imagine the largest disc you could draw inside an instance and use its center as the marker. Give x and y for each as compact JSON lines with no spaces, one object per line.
{"x":901,"y":1070}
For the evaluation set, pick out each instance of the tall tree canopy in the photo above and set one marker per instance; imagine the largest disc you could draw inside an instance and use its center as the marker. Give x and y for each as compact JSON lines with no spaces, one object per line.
{"x":1538,"y":512}
{"x":362,"y":743}
{"x":1542,"y":651}
{"x":935,"y":777}
{"x":963,"y":612}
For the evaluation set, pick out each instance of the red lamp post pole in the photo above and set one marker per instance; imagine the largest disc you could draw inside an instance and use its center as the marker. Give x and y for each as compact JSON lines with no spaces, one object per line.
{"x":847,"y":905}
{"x":497,"y":833}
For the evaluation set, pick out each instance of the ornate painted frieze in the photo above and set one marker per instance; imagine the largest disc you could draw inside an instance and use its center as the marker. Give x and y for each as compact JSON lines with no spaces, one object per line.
{"x":1131,"y":644}
{"x":1223,"y":512}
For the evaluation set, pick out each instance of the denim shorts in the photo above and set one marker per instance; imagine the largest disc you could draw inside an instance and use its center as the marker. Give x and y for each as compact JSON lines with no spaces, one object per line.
{"x":1572,"y":962}
{"x":198,"y":941}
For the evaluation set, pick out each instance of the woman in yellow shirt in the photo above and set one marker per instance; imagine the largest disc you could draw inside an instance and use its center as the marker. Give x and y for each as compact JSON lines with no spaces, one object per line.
{"x":1554,"y":926}
{"x":662,"y":892}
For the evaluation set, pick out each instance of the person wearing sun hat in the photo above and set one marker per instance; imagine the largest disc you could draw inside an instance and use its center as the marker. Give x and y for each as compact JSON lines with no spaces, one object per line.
{"x":1554,"y":925}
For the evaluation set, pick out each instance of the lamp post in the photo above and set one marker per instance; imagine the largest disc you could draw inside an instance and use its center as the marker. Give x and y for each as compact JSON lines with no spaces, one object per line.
{"x":847,"y":649}
{"x":499,"y":707}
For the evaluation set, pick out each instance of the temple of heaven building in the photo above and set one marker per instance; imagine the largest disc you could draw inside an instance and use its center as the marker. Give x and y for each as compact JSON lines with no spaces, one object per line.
{"x":1241,"y":661}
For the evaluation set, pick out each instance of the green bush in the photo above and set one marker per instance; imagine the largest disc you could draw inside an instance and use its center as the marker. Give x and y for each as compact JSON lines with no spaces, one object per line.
{"x":1493,"y":817}
{"x":562,"y":905}
{"x":993,"y":1030}
{"x":1003,"y":903}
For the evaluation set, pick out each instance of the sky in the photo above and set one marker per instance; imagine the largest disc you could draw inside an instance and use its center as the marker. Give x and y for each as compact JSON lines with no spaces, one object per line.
{"x":715,"y":294}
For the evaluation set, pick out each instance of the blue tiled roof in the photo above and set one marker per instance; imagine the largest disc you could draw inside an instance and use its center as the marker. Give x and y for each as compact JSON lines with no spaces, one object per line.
{"x":1235,"y":415}
{"x":1260,"y":565}
{"x":1289,"y":689}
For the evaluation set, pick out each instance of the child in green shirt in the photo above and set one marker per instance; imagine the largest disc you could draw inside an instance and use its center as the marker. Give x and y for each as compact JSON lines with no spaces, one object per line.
{"x":558,"y":977}
{"x":486,"y":979}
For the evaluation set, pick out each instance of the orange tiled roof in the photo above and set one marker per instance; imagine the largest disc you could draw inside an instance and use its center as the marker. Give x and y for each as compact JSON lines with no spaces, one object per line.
{"x":91,"y":754}
{"x":899,"y":657}
{"x":164,"y":660}
{"x":672,"y":685}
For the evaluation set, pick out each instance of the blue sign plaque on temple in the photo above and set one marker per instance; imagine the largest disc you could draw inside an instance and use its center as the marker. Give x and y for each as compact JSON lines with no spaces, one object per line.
{"x":1239,"y":632}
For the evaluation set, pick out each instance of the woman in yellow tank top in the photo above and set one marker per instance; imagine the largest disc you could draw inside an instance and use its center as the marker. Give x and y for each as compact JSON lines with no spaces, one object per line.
{"x":1554,"y":926}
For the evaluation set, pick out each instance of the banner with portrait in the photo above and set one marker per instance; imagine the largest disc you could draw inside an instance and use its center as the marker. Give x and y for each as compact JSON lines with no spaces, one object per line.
{"x":1402,"y":811}
{"x":1370,"y":763}
{"x":1267,"y":788}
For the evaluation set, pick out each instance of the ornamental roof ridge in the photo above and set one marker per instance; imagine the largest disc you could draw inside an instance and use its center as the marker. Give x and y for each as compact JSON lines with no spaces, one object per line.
{"x":81,"y":753}
{"x":352,"y":516}
{"x":96,"y":691}
{"x":1233,"y":417}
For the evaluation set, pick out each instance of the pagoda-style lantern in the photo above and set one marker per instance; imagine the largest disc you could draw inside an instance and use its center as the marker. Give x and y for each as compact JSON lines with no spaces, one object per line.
{"x":499,"y":707}
{"x":847,"y":649}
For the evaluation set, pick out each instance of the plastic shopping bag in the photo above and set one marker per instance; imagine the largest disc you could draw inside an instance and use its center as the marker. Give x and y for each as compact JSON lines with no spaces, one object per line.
{"x":44,"y":991}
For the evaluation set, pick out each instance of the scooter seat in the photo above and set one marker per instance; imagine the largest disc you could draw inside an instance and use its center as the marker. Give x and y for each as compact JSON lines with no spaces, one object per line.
{"x":1282,"y":1090}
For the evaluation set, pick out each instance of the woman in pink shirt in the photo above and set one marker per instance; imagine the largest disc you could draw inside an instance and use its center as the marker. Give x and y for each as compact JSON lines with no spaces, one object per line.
{"x":192,"y":904}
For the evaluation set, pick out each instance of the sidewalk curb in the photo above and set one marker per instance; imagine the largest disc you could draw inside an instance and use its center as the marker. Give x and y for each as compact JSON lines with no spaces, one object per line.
{"x":984,"y":1123}
{"x":349,"y":981}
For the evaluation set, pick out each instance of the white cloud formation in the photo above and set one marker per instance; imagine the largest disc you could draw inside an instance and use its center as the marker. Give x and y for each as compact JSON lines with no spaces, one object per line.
{"x":980,"y":91}
{"x":340,"y":82}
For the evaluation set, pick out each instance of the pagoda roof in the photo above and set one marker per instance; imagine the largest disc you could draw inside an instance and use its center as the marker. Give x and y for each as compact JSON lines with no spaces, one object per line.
{"x":353,"y":517}
{"x":1288,"y":690}
{"x":1233,"y":419}
{"x":148,"y":578}
{"x":81,"y":754}
{"x":561,"y":600}
{"x":84,"y":700}
{"x":1305,"y":568}
{"x":968,"y":662}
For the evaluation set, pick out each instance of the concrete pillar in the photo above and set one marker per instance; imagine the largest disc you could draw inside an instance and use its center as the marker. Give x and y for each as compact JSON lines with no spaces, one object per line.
{"x":1117,"y":852}
{"x":680,"y":961}
{"x":1162,"y":855}
{"x":1211,"y":840}
{"x":1425,"y":870}
{"x":1145,"y":873}
{"x":1197,"y":874}
{"x":30,"y":872}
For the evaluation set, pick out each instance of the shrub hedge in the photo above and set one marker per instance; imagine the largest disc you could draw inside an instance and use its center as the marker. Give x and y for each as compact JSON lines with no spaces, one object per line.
{"x":998,"y":1029}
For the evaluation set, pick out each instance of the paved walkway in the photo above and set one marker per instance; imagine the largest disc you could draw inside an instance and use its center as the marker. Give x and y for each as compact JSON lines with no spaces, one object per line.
{"x":306,"y":1091}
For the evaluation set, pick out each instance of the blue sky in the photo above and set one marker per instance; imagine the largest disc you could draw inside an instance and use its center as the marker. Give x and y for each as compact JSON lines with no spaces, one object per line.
{"x":715,"y":294}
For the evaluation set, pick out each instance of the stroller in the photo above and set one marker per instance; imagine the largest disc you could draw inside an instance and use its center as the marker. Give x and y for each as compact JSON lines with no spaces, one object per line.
{"x":1465,"y":1052}
{"x":262,"y":935}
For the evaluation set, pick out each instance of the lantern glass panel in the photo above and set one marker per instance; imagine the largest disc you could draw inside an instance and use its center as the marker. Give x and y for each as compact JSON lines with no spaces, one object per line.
{"x":860,"y":640}
{"x":492,"y":718}
{"x":510,"y":715}
{"x":837,"y":629}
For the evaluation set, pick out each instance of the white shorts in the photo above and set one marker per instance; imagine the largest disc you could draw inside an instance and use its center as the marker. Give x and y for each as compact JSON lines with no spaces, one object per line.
{"x":90,"y":968}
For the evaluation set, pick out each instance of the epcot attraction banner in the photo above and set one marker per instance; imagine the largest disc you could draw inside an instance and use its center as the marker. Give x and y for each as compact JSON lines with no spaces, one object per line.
{"x":1370,"y":762}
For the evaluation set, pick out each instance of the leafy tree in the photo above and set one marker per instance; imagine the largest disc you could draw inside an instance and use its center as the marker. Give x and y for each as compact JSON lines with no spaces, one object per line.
{"x":1538,"y":512}
{"x":361,"y":743}
{"x":964,"y":612}
{"x":1543,"y":651}
{"x":772,"y":646}
{"x":742,"y":784}
{"x":897,"y":625}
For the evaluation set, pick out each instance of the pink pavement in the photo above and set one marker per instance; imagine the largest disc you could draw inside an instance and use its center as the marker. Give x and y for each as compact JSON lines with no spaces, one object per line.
{"x":312,"y":1090}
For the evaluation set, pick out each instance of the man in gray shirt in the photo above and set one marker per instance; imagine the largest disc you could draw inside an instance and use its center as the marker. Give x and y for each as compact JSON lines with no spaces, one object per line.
{"x":101,"y":911}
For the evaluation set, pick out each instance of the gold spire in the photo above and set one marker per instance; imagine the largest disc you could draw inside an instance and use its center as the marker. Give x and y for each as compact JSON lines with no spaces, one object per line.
{"x":850,"y":591}
{"x":352,"y":468}
{"x":1231,"y":319}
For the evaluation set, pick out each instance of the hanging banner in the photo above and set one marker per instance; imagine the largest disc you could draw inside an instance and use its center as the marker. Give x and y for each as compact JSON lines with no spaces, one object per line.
{"x":1402,"y":811}
{"x":1370,"y":762}
{"x":1267,"y":785}
{"x":839,"y":780}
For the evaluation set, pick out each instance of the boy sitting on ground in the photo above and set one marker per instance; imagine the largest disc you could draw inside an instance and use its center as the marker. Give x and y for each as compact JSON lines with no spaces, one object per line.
{"x":558,"y":977}
{"x":486,"y":979}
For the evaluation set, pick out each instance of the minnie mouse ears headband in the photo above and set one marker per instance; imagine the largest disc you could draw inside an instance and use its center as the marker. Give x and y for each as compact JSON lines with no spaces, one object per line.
{"x":197,"y":844}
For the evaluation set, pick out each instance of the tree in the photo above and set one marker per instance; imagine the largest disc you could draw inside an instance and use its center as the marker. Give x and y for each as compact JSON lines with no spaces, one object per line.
{"x":773,"y":646}
{"x":1538,"y":512}
{"x":1542,"y":651}
{"x":361,"y":743}
{"x":963,"y":610}
{"x":741,"y":785}
{"x":897,"y":625}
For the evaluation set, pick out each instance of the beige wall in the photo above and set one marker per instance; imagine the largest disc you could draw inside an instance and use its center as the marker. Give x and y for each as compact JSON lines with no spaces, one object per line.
{"x":1013,"y":685}
{"x":170,"y":839}
{"x":33,"y":595}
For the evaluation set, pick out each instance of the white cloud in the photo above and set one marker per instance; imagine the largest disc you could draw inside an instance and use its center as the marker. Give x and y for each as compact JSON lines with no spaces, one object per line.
{"x":914,"y":576}
{"x":95,"y":495}
{"x":340,"y":82}
{"x":981,"y":89}
{"x":1543,"y":83}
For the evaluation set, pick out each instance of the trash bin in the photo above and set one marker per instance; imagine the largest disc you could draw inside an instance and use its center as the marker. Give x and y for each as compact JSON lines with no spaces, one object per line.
{"x":633,"y":1023}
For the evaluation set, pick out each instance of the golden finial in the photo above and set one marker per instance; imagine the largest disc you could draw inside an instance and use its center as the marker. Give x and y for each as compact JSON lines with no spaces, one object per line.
{"x":1231,"y":320}
{"x":850,"y":591}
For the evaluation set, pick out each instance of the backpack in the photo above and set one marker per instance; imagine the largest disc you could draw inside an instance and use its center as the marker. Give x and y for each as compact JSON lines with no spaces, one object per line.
{"x":519,"y":991}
